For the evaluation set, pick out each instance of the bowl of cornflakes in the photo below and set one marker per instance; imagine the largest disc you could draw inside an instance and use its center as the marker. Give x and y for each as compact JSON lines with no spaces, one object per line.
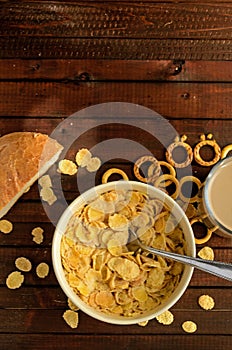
{"x":96,"y":266}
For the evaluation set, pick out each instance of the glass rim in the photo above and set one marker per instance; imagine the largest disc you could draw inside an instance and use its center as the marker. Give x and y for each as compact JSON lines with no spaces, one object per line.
{"x":206,"y":201}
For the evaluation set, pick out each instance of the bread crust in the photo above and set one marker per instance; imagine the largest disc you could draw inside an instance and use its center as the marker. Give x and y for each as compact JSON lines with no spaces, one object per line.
{"x":24,"y":156}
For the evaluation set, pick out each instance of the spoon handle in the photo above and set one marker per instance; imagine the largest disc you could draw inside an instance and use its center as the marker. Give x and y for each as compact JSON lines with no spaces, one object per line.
{"x":217,"y":268}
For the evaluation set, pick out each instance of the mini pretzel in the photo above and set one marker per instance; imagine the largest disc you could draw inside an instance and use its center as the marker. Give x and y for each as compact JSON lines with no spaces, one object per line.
{"x":111,"y":171}
{"x":164,"y":178}
{"x":179,"y":143}
{"x":170,"y":168}
{"x":226,"y":150}
{"x":189,"y":179}
{"x":207,"y":142}
{"x":155,"y":172}
{"x":208,"y":233}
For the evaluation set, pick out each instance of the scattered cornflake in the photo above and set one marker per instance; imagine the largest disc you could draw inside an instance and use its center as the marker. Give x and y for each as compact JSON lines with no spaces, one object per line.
{"x":143,"y":323}
{"x":42,"y":270}
{"x":23,"y":264}
{"x":6,"y":226}
{"x":83,"y":157}
{"x":37,"y":232}
{"x":189,"y":326}
{"x":72,"y":306}
{"x":45,"y":181}
{"x":48,"y":195}
{"x":165,"y":318}
{"x":93,"y":164}
{"x":206,"y":302}
{"x":71,"y":318}
{"x":206,"y":253}
{"x":14,"y":280}
{"x":67,"y":167}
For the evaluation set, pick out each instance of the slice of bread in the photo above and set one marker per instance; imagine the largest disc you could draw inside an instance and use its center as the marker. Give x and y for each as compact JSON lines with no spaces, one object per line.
{"x":24,"y":157}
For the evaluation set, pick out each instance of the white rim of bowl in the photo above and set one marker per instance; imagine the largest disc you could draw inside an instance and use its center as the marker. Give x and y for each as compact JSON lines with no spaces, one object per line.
{"x":59,"y":272}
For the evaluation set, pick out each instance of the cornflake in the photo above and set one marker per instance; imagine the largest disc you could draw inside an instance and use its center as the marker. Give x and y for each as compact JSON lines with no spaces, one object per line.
{"x":23,"y":264}
{"x":206,"y":302}
{"x":93,"y":164}
{"x":37,"y":232}
{"x":83,"y":157}
{"x":67,"y":167}
{"x":165,"y":318}
{"x":206,"y":253}
{"x":14,"y":280}
{"x":72,"y":306}
{"x":45,"y":181}
{"x":189,"y":326}
{"x":42,"y":270}
{"x":71,"y":318}
{"x":6,"y":226}
{"x":48,"y":195}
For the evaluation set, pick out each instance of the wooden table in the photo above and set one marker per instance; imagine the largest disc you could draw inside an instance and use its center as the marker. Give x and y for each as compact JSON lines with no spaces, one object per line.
{"x":57,"y":58}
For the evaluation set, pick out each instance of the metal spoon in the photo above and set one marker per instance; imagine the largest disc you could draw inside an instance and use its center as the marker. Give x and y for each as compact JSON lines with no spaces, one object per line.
{"x":219,"y":269}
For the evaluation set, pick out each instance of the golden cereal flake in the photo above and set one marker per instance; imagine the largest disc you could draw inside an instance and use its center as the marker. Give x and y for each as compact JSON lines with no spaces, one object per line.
{"x":67,"y":167}
{"x":93,"y":164}
{"x":72,"y":306}
{"x":83,"y":157}
{"x":6,"y":226}
{"x":14,"y":280}
{"x":71,"y":318}
{"x":37,"y":234}
{"x":206,"y":253}
{"x":42,"y":270}
{"x":48,"y":195}
{"x":104,"y":298}
{"x":45,"y":181}
{"x":166,"y":318}
{"x":126,"y":269}
{"x":189,"y":326}
{"x":206,"y":302}
{"x":118,"y":222}
{"x":23,"y":264}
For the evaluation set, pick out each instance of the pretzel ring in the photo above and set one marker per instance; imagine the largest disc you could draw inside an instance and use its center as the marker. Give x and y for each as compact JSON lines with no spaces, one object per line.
{"x":226,"y":150}
{"x":179,"y":143}
{"x":207,"y":142}
{"x":185,"y":179}
{"x":164,"y":178}
{"x":208,"y":233}
{"x":156,"y":170}
{"x":170,"y":168}
{"x":111,"y":171}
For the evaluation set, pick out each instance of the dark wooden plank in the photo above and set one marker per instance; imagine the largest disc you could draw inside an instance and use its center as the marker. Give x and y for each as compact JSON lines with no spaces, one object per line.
{"x":43,"y":254}
{"x":51,"y":321}
{"x":22,"y":233}
{"x":117,"y":70}
{"x":126,"y":20}
{"x":48,"y":298}
{"x":35,"y":255}
{"x":179,"y":100}
{"x":115,"y":48}
{"x":122,"y":341}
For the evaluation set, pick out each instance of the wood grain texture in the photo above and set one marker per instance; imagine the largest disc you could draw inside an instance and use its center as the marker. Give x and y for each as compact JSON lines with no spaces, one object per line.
{"x":115,"y":48}
{"x":119,"y":31}
{"x":74,"y":70}
{"x":42,"y":321}
{"x":125,"y":20}
{"x":179,"y":100}
{"x":43,"y":254}
{"x":104,"y":342}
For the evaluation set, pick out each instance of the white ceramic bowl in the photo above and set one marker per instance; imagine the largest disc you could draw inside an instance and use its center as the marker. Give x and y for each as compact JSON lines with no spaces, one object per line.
{"x":93,"y":193}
